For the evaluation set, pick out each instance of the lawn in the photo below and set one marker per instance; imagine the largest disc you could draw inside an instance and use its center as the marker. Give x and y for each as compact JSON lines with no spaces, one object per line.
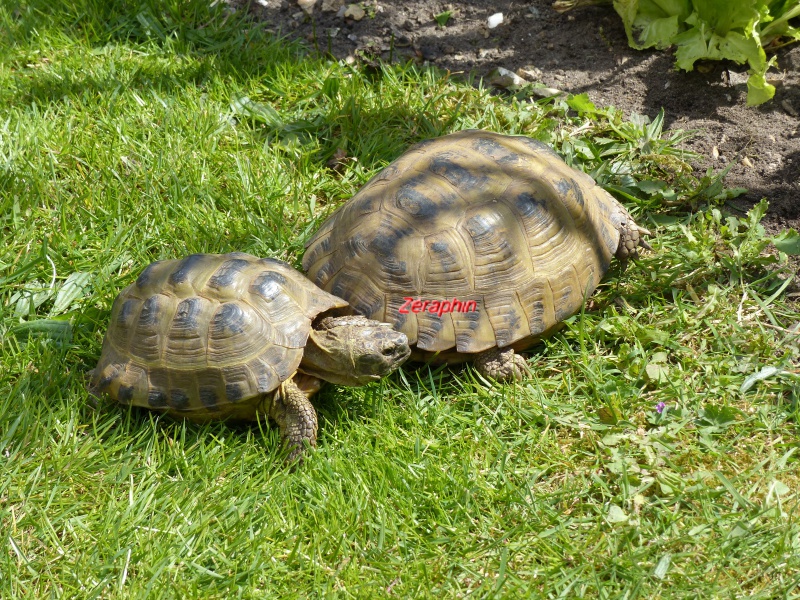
{"x":653,"y":452}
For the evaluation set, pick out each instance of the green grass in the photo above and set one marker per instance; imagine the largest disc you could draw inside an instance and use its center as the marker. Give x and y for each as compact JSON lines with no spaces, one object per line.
{"x":132,"y":132}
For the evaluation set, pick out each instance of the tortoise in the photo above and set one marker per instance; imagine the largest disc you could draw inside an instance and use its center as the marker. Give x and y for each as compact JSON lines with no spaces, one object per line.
{"x":475,"y":245}
{"x":233,"y":336}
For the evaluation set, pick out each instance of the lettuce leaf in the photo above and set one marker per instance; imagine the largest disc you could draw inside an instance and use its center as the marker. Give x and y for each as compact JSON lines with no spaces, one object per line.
{"x":713,"y":29}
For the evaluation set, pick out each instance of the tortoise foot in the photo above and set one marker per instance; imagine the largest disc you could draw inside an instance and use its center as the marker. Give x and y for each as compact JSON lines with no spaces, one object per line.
{"x":296,"y":418}
{"x":502,"y":365}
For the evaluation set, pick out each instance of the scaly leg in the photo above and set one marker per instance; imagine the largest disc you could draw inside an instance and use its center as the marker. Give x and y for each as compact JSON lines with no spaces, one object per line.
{"x":296,"y":418}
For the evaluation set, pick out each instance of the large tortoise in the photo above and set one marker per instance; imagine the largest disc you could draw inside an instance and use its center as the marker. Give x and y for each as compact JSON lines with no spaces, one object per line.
{"x":217,"y":336}
{"x":475,"y":245}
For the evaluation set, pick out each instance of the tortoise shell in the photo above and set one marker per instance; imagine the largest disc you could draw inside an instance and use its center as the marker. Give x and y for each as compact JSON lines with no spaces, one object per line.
{"x":498,"y":222}
{"x":209,"y":335}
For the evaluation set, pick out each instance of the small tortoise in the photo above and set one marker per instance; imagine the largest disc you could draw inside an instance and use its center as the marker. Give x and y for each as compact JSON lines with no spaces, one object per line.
{"x":215,"y":336}
{"x":475,"y":245}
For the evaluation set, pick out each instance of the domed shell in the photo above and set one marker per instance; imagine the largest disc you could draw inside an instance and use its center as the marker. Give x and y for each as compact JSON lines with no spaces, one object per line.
{"x":208,"y":335}
{"x":474,"y":216}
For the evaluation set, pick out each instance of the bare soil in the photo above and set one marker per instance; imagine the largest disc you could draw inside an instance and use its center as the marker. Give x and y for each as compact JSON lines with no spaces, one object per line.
{"x":583,"y":51}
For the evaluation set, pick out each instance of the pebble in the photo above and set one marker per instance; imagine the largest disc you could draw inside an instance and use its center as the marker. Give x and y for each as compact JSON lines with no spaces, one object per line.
{"x":530,"y":73}
{"x":307,"y":6}
{"x":790,"y":110}
{"x":494,"y":20}
{"x":355,"y":12}
{"x":332,"y":5}
{"x":504,"y":78}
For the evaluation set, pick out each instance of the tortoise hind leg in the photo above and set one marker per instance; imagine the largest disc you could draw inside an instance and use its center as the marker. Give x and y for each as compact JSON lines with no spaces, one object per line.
{"x":630,"y":240}
{"x":502,"y":365}
{"x":295,"y":416}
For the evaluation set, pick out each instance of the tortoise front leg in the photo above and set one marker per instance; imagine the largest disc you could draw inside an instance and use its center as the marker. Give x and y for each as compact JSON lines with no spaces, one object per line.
{"x":502,"y":365}
{"x":295,"y":416}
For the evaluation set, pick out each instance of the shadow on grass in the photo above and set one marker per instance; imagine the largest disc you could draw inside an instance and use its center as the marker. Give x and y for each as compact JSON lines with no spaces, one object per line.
{"x":161,"y":47}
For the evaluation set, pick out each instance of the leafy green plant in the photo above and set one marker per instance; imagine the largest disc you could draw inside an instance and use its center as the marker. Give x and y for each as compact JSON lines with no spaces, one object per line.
{"x":710,"y":29}
{"x":713,"y":29}
{"x":443,"y":17}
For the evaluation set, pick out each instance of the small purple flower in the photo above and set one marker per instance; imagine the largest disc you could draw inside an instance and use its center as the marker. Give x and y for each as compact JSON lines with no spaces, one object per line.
{"x":660,"y":407}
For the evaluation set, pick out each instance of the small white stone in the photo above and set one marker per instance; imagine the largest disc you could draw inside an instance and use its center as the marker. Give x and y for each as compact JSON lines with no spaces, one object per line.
{"x":504,"y":78}
{"x":355,"y":12}
{"x":307,"y":6}
{"x":263,"y":3}
{"x":494,"y":20}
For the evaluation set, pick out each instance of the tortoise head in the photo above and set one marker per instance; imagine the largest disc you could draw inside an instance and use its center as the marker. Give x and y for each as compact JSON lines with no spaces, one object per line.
{"x":353,"y":350}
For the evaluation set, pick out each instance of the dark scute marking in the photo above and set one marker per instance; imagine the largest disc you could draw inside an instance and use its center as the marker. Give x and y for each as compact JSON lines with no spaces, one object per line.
{"x":565,"y":186}
{"x":265,"y":383}
{"x":157,"y":399}
{"x":275,"y":262}
{"x":104,"y":382}
{"x":229,"y":316}
{"x":513,"y":321}
{"x":184,"y":268}
{"x":209,"y":397}
{"x":508,"y":159}
{"x":234,"y":392}
{"x":149,"y":314}
{"x":125,"y":394}
{"x":474,"y":318}
{"x":458,"y":176}
{"x":538,"y":146}
{"x":269,"y":284}
{"x":228,"y":272}
{"x":355,"y":245}
{"x":385,"y":241}
{"x":324,"y":274}
{"x":368,"y":309}
{"x":144,"y":276}
{"x":178,"y":399}
{"x":342,"y":286}
{"x":439,"y":247}
{"x":399,"y":320}
{"x":416,"y":202}
{"x":563,"y":308}
{"x":186,"y":314}
{"x":527,"y":205}
{"x":126,"y":312}
{"x":363,"y":205}
{"x":492,"y":147}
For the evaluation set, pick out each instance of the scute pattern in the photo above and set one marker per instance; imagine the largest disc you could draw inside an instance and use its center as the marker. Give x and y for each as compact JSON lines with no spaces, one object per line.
{"x":207,"y":336}
{"x":476,"y":215}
